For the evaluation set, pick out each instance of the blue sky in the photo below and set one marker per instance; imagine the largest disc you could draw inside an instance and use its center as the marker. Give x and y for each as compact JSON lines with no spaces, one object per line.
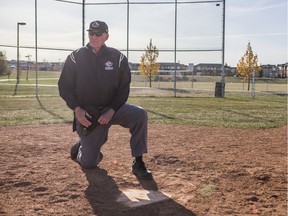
{"x":199,"y":27}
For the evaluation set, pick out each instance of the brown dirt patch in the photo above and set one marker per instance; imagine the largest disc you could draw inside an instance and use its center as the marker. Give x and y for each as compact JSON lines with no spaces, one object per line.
{"x":207,"y":171}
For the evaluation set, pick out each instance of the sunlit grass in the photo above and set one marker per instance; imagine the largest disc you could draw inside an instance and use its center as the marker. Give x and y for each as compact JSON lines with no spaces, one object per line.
{"x":199,"y":82}
{"x":267,"y":111}
{"x":191,"y":106}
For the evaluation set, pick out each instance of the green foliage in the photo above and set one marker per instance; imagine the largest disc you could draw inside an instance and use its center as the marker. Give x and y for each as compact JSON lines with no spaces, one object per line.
{"x":4,"y":69}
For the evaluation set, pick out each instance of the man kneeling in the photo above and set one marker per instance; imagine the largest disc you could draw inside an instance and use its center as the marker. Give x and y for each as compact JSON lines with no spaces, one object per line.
{"x":95,"y":84}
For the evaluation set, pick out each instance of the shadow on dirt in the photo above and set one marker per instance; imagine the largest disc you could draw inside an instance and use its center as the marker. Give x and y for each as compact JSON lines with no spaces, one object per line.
{"x":102,"y":193}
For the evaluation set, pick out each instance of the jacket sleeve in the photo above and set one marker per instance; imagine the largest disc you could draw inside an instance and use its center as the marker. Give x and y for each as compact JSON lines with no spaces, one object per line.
{"x":67,"y":82}
{"x":123,"y":91}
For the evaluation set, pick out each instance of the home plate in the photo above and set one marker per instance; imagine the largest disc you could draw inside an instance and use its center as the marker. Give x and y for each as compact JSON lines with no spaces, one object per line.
{"x":135,"y":198}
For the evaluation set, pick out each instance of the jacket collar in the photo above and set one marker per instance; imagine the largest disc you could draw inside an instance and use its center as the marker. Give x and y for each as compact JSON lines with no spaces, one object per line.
{"x":102,"y":50}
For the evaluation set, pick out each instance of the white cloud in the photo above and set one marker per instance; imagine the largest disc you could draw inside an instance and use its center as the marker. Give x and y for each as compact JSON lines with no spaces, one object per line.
{"x":256,"y":6}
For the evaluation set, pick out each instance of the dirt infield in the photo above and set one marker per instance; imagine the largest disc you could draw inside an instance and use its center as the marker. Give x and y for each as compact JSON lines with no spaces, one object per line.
{"x":205,"y":170}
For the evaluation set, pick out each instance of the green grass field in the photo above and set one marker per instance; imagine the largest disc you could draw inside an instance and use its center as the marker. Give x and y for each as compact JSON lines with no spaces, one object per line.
{"x":235,"y":110}
{"x":199,"y":82}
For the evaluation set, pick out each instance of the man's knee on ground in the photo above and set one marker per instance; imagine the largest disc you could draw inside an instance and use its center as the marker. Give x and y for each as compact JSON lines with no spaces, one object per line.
{"x":89,"y":164}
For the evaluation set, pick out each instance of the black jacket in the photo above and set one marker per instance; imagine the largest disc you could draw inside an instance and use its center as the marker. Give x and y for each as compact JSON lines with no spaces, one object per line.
{"x":89,"y":79}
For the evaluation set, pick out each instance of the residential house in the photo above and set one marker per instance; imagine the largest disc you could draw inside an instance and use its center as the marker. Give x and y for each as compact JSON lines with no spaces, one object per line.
{"x":206,"y":69}
{"x":283,"y":70}
{"x":270,"y":71}
{"x":171,"y":66}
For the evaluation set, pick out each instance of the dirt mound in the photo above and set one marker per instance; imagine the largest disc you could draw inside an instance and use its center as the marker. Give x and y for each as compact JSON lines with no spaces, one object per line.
{"x":204,"y":170}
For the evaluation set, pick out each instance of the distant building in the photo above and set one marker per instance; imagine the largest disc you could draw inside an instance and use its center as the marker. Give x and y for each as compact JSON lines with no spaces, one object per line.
{"x":171,"y":66}
{"x":42,"y":66}
{"x":205,"y":69}
{"x":22,"y":64}
{"x":270,"y":71}
{"x":134,"y":66}
{"x":163,"y":66}
{"x":168,"y":68}
{"x":283,"y":70}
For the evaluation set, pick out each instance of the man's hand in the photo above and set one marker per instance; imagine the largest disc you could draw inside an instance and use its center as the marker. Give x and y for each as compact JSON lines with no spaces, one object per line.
{"x":81,"y":116}
{"x":106,"y":117}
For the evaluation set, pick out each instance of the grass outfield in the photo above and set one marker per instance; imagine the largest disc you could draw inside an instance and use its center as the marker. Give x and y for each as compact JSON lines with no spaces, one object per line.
{"x":46,"y":78}
{"x":195,"y":107}
{"x":233,"y":111}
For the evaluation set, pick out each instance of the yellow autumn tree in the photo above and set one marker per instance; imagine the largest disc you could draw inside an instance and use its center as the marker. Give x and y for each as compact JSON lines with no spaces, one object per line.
{"x":247,"y":64}
{"x":148,"y":62}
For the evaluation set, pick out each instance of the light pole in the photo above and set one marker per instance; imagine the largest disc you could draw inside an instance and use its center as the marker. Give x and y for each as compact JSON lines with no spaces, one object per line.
{"x":18,"y":71}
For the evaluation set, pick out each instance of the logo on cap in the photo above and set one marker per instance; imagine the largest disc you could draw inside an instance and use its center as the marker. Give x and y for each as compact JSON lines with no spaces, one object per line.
{"x":95,"y":24}
{"x":98,"y":26}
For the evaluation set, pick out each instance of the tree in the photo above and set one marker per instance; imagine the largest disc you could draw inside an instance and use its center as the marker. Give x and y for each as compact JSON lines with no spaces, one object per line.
{"x":247,"y":64}
{"x":148,"y":63}
{"x":4,"y":69}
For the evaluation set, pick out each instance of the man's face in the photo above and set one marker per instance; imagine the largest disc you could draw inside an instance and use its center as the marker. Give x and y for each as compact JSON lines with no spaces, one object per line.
{"x":96,"y":40}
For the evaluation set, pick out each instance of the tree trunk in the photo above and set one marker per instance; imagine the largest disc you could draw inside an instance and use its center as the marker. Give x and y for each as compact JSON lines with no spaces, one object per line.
{"x":248,"y":84}
{"x":150,"y":78}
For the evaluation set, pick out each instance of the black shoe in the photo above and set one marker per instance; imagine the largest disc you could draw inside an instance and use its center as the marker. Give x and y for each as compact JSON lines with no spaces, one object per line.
{"x":139,"y":169}
{"x":74,"y":150}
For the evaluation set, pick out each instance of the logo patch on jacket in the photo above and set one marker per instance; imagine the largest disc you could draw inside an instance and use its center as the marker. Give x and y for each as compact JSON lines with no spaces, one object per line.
{"x":108,"y":65}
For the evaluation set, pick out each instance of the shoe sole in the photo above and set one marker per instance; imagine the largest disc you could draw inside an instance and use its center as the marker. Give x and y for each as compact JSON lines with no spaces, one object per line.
{"x":143,"y":178}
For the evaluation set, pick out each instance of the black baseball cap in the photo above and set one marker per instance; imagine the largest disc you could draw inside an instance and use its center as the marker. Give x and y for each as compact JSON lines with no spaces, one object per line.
{"x":98,"y":26}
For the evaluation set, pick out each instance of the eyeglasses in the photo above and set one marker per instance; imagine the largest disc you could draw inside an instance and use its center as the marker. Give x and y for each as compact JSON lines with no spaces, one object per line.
{"x":98,"y":34}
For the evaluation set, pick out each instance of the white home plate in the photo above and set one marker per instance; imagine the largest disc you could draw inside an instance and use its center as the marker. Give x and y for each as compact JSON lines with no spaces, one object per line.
{"x":134,"y":198}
